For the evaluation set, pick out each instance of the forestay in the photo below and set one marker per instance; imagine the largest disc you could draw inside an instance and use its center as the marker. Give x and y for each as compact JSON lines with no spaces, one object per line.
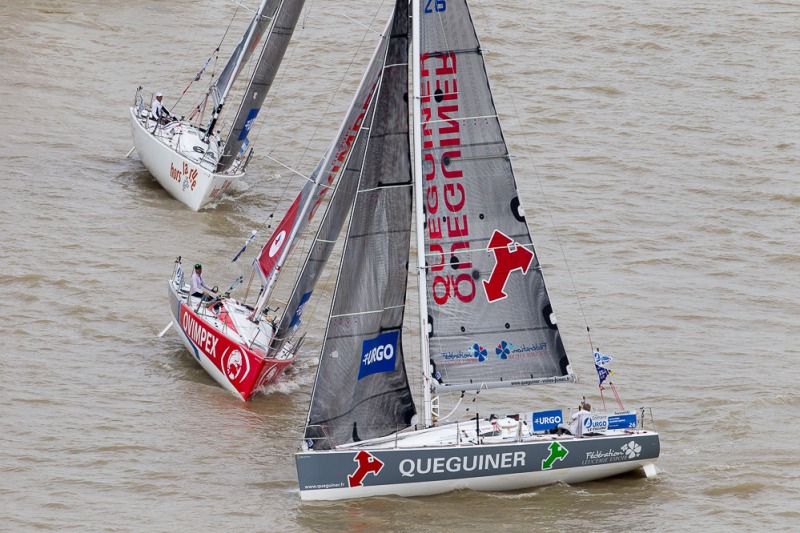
{"x":489,"y":314}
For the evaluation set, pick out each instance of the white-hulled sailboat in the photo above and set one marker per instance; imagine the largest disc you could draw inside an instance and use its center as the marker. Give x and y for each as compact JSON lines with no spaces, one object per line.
{"x":480,"y":284}
{"x":188,"y":157}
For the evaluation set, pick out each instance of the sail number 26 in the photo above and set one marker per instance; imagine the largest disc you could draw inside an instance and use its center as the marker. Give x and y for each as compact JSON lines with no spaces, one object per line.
{"x":435,"y":5}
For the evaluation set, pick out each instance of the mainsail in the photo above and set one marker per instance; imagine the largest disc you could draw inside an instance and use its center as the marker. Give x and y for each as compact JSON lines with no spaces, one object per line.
{"x":267,"y":66}
{"x":362,"y":389}
{"x":243,"y":50}
{"x":489,"y":316}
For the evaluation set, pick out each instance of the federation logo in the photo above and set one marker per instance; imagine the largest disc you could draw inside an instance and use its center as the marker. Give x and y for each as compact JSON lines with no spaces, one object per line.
{"x":479,"y":352}
{"x":503,"y":349}
{"x":632,"y":449}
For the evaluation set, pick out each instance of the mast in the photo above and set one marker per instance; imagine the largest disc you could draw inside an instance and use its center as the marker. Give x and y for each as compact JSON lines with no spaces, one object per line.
{"x":242,"y":55}
{"x":420,"y":215}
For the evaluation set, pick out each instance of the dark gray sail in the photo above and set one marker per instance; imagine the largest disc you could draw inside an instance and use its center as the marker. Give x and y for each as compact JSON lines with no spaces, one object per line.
{"x":489,"y":314}
{"x":362,"y":390}
{"x":267,"y":66}
{"x":243,"y":50}
{"x":342,"y":160}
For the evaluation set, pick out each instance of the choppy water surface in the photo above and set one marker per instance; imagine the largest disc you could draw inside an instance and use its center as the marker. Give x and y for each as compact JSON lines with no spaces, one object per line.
{"x":664,"y":136}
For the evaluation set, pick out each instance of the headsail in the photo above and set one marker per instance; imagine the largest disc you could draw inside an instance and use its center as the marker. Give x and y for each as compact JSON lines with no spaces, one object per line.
{"x":336,"y":162}
{"x":332,"y":164}
{"x":362,"y":389}
{"x":267,"y":66}
{"x":489,"y":314}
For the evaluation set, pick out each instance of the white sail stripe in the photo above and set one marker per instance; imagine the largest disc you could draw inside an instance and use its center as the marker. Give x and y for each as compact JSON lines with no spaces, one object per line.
{"x":368,"y":312}
{"x":460,"y":118}
{"x":386,"y":187}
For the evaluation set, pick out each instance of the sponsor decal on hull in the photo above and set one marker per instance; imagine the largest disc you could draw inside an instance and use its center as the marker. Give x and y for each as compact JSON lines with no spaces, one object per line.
{"x":326,"y":470}
{"x":235,"y":362}
{"x":187,"y":176}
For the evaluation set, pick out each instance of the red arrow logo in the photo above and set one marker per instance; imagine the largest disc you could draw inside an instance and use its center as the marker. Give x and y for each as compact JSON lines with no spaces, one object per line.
{"x":508,"y":258}
{"x":367,"y":463}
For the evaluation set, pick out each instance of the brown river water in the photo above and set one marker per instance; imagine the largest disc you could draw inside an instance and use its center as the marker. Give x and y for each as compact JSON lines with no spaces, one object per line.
{"x":657,"y":148}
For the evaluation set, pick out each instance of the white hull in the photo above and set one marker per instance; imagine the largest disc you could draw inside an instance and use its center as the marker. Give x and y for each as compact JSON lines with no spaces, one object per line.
{"x":180,"y":161}
{"x":455,"y":459}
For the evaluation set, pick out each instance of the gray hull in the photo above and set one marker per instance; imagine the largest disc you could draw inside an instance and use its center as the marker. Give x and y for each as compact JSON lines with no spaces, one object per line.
{"x":364,"y":472}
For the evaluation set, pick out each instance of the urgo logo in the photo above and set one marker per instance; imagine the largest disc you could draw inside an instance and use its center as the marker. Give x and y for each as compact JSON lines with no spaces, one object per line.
{"x":378,"y":354}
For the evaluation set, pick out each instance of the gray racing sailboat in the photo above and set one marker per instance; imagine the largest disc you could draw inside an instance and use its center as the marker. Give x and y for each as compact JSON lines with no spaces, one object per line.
{"x":486,"y":321}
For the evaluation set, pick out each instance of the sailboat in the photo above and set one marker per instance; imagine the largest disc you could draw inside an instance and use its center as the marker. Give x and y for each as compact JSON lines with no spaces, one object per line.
{"x":486,"y":320}
{"x":188,"y":157}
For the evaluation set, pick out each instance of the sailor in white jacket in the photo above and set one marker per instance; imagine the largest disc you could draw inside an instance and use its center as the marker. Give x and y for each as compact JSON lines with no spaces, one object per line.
{"x":159,"y":112}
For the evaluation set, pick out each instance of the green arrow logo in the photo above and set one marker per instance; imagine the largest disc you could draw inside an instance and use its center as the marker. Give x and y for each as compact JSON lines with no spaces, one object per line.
{"x":557,"y":452}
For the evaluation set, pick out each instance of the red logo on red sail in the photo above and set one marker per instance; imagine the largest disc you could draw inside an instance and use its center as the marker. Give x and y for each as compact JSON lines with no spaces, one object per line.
{"x":508,"y":258}
{"x":367,"y":463}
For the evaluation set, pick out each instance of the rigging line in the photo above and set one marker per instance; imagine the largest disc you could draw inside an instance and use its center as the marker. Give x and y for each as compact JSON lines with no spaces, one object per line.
{"x":189,"y":49}
{"x":335,"y":93}
{"x":379,"y":34}
{"x":268,"y":107}
{"x":297,"y":172}
{"x":538,"y":177}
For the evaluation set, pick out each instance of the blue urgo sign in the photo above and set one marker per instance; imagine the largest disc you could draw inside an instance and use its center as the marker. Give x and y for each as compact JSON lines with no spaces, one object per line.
{"x":544,"y":420}
{"x":626,"y":421}
{"x":378,"y":354}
